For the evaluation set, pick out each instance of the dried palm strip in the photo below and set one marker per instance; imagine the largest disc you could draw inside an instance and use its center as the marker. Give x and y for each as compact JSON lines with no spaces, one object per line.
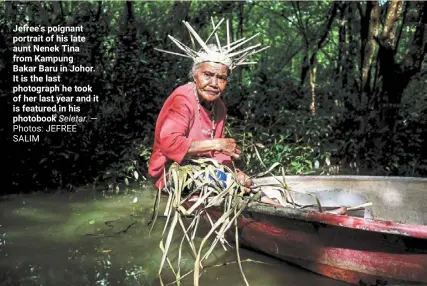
{"x":197,"y":263}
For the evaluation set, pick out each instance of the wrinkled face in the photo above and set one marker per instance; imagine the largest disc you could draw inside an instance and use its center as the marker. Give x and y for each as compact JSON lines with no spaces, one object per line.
{"x":211,"y":80}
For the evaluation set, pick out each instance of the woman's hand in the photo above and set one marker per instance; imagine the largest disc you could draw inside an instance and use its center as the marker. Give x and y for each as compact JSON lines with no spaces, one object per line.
{"x":244,"y":180}
{"x":228,"y":146}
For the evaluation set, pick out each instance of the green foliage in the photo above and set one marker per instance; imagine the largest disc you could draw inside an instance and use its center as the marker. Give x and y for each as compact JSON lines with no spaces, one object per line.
{"x":301,"y":152}
{"x":128,"y":166}
{"x":268,"y":103}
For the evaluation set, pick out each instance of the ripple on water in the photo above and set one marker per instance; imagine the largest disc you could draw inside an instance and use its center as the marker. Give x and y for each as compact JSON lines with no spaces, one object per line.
{"x":96,"y":238}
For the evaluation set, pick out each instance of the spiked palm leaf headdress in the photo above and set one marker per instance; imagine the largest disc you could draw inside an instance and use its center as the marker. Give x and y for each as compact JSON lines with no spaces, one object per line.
{"x":227,"y":54}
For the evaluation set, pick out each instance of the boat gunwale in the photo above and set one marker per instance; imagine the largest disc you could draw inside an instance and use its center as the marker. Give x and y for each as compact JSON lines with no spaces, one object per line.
{"x":344,"y":178}
{"x":373,"y":225}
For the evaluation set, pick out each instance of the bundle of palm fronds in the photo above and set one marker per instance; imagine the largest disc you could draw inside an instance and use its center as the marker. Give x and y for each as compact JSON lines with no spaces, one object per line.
{"x":192,"y":189}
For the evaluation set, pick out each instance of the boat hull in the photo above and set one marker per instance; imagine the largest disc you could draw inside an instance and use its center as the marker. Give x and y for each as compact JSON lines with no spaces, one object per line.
{"x":356,"y":250}
{"x":352,"y":255}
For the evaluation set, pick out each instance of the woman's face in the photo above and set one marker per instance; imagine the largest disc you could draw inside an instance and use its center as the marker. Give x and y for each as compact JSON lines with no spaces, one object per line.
{"x":211,"y":80}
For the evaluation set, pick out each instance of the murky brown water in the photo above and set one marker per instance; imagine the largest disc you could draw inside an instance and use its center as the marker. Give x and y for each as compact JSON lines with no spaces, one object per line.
{"x":91,"y":238}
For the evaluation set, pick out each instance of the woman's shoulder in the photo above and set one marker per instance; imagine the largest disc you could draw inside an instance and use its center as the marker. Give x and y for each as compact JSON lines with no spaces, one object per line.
{"x":182,"y":95}
{"x":183,"y":90}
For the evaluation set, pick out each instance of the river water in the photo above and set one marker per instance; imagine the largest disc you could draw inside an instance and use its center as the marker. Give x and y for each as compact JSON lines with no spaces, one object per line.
{"x":93,"y":237}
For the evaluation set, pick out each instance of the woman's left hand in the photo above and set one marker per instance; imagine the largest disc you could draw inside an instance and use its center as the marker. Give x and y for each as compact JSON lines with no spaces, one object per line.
{"x":244,"y":180}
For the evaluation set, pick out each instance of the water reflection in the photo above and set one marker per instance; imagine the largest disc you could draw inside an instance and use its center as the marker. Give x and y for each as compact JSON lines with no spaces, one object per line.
{"x":87,"y":238}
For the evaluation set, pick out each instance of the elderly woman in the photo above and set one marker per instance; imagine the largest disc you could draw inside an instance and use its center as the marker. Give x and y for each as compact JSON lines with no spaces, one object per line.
{"x":191,"y":121}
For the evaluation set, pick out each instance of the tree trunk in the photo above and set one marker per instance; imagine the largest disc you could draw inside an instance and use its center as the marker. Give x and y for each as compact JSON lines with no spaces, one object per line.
{"x":313,"y":73}
{"x":320,"y":43}
{"x":341,"y":70}
{"x":369,"y":51}
{"x":178,"y":13}
{"x":98,"y":35}
{"x":352,"y":81}
{"x":396,"y":76}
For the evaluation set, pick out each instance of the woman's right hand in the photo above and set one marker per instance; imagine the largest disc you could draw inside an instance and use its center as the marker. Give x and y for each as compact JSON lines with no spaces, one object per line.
{"x":228,"y":146}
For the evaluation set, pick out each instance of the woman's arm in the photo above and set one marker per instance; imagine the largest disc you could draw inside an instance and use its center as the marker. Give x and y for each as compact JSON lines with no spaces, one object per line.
{"x":226,"y":146}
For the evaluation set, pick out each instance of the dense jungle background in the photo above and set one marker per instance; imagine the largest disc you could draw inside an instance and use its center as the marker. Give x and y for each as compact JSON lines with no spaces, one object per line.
{"x":341,"y":90}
